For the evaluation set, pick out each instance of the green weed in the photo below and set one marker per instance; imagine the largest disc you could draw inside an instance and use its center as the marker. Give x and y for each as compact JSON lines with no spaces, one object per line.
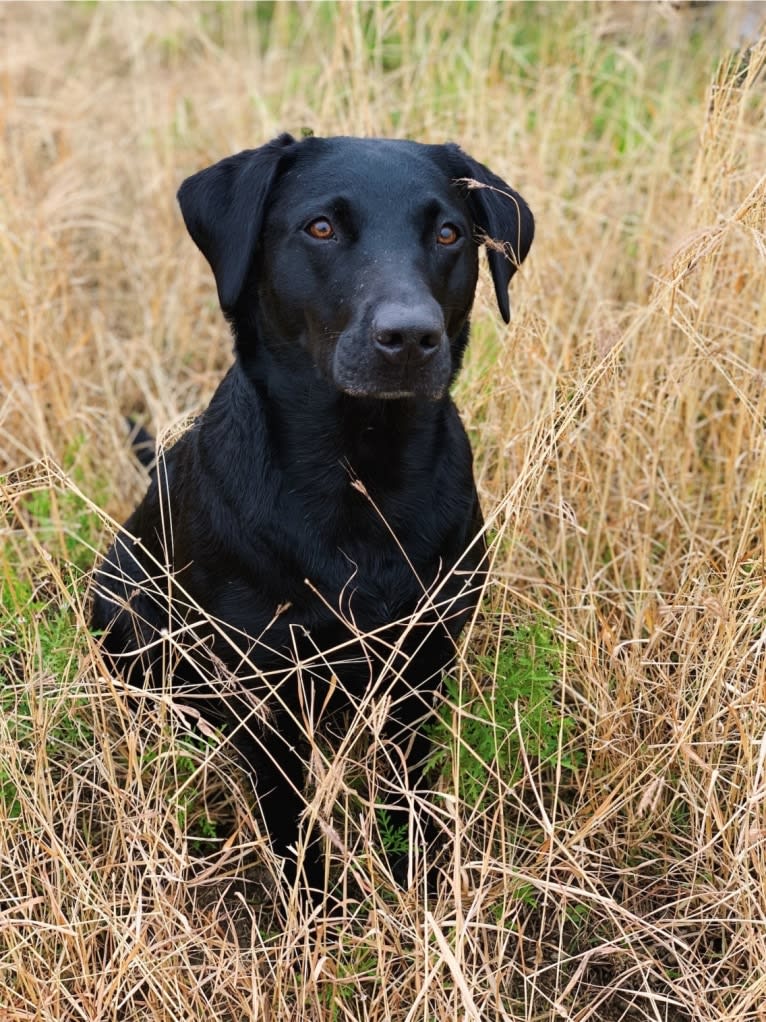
{"x":516,"y":717}
{"x":40,"y":649}
{"x":394,"y":837}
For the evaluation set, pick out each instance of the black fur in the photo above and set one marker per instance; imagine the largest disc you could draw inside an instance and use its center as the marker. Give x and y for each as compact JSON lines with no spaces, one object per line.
{"x":322,"y":511}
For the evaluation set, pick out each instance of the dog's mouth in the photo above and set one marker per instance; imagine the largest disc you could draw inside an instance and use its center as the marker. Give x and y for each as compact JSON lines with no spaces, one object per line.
{"x":392,"y":395}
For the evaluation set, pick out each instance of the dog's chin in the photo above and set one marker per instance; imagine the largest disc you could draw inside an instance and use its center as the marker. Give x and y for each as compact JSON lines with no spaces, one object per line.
{"x":359,"y":381}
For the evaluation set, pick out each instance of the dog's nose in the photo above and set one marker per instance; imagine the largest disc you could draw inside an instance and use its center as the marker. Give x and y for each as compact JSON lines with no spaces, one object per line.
{"x":403,"y":334}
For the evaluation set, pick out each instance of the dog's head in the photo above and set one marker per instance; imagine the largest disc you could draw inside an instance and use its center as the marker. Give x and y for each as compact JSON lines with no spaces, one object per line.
{"x":362,"y":252}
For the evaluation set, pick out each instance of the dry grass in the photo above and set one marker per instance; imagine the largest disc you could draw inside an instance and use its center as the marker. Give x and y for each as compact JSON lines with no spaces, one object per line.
{"x":618,"y":426}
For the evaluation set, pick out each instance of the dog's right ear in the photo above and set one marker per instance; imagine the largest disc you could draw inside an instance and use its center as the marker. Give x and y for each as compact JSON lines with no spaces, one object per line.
{"x":223,"y":207}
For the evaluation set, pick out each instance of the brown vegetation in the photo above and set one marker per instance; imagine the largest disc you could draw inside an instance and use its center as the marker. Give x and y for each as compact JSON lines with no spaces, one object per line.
{"x":618,"y":426}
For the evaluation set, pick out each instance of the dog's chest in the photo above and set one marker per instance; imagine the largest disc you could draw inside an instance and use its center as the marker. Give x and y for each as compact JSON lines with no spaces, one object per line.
{"x":345,"y":615}
{"x":343,"y":577}
{"x":365,"y":573}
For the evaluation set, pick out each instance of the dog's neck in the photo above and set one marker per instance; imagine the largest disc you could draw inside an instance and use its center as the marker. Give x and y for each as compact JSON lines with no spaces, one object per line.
{"x":319,"y":445}
{"x":297,"y":399}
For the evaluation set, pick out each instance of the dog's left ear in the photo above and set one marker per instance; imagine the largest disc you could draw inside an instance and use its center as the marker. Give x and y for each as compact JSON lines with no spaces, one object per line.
{"x":223,"y":209}
{"x":503,"y":217}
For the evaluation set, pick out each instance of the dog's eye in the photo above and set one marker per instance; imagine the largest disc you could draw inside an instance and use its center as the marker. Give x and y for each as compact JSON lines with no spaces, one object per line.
{"x":447,"y":234}
{"x":321,"y":229}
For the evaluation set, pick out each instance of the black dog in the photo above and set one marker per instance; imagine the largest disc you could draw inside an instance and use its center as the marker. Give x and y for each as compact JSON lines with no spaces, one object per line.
{"x":313,"y":537}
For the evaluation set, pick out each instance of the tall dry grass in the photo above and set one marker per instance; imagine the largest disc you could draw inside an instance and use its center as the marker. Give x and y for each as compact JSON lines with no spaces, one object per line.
{"x":618,"y":426}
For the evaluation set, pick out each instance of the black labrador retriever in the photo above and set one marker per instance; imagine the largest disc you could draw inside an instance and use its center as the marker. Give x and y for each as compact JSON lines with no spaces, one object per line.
{"x":314,"y":538}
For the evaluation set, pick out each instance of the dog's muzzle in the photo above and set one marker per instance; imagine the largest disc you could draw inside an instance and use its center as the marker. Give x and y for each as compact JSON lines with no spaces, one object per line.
{"x":403,"y":352}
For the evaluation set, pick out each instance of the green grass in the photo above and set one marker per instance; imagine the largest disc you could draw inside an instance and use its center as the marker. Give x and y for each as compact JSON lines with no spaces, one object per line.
{"x":514,"y":722}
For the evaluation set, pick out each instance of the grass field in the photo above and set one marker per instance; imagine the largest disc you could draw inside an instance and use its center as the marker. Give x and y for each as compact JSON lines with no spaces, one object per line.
{"x":601,"y":757}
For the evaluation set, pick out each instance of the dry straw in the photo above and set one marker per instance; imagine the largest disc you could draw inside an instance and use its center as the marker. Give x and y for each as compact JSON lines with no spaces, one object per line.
{"x":618,"y":426}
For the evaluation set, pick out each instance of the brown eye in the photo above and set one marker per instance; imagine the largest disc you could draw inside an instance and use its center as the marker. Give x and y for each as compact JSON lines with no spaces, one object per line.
{"x":447,"y":234}
{"x":321,"y":229}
